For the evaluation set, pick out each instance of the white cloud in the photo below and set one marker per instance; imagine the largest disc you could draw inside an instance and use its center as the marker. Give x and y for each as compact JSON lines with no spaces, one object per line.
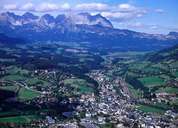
{"x":92,"y":7}
{"x":124,"y":12}
{"x":153,"y":27}
{"x":28,"y":7}
{"x":117,"y":16}
{"x":45,"y":7}
{"x":126,"y":7}
{"x":116,"y":13}
{"x":136,"y":25}
{"x":140,"y":25}
{"x":10,"y":7}
{"x":159,"y":10}
{"x":123,"y":16}
{"x":65,"y":6}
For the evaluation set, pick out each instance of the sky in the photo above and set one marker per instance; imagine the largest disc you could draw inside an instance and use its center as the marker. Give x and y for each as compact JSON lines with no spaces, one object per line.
{"x":150,"y":16}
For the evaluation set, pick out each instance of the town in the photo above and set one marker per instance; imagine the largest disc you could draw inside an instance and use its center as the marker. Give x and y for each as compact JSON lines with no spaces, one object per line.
{"x":92,"y":90}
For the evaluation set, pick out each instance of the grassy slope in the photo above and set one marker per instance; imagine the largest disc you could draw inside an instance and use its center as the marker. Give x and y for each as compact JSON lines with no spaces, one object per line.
{"x":151,"y":81}
{"x":26,"y":94}
{"x":18,"y":119}
{"x":80,"y":85}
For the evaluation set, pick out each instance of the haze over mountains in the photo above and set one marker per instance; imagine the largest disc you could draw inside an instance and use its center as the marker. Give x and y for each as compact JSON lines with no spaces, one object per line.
{"x":81,"y":27}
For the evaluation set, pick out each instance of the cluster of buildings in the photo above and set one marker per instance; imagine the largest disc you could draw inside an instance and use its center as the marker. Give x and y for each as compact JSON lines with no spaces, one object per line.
{"x":113,"y":104}
{"x":119,"y":110}
{"x":110,"y":106}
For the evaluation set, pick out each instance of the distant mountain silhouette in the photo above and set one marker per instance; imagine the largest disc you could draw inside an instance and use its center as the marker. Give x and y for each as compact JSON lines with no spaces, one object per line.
{"x":81,"y":27}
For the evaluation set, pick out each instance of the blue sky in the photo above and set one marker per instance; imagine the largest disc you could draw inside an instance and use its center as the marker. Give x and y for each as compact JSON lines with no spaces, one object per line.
{"x":151,"y":16}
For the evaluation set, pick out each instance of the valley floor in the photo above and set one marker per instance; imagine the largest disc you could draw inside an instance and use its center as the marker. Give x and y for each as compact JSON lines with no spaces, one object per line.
{"x":54,"y":85}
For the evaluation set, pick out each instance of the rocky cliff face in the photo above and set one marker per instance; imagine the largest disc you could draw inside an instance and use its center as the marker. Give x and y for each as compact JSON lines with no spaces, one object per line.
{"x":81,"y":27}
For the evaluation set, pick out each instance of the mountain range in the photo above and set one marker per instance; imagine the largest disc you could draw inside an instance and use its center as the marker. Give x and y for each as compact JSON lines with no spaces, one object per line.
{"x":82,"y":27}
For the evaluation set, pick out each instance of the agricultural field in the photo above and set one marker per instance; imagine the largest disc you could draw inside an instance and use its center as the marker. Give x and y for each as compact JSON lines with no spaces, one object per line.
{"x":150,"y":109}
{"x":143,"y":74}
{"x":27,"y":94}
{"x":13,"y":88}
{"x":171,"y":90}
{"x":24,"y":86}
{"x":79,"y":85}
{"x":14,"y":78}
{"x":19,"y":119}
{"x":23,"y":93}
{"x":151,"y":81}
{"x":15,"y":70}
{"x":176,"y":74}
{"x":43,"y":77}
{"x":135,"y":92}
{"x":158,"y":108}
